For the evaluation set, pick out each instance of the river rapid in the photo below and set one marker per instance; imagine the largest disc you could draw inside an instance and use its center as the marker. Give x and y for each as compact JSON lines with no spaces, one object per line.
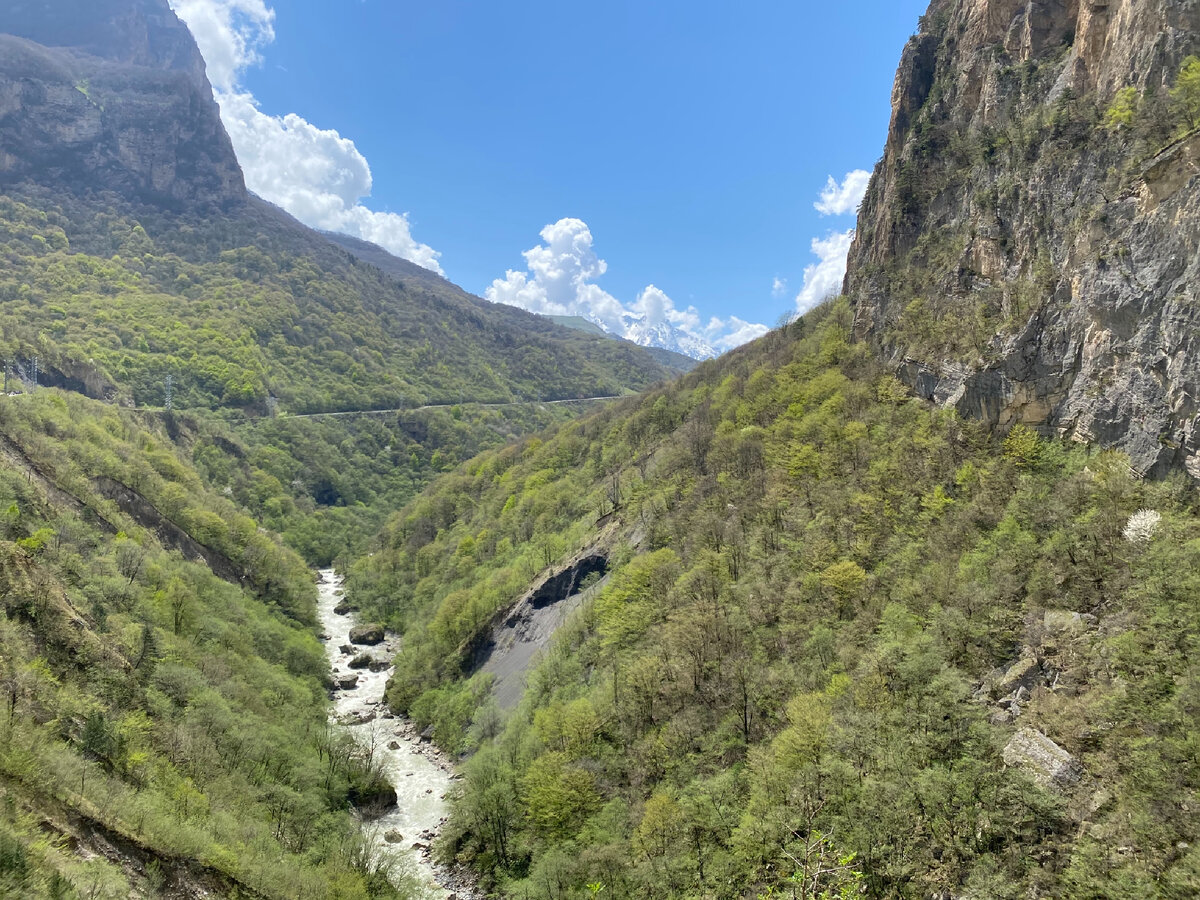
{"x":421,"y":775}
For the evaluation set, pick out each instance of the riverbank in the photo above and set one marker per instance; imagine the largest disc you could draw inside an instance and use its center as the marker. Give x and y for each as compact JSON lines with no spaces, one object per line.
{"x":420,"y":772}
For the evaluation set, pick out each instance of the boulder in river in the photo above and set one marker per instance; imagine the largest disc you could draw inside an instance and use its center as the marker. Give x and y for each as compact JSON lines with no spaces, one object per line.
{"x":393,"y":836}
{"x":367,"y":634}
{"x":372,"y":801}
{"x":345,"y":607}
{"x":347,"y":682}
{"x":362,"y":661}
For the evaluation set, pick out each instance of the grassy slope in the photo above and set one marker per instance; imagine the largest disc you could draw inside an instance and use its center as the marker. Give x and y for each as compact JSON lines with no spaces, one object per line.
{"x":816,"y":575}
{"x":150,"y":705}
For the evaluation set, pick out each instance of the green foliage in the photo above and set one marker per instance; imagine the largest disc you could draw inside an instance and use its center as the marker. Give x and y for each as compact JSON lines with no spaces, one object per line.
{"x":250,"y":317}
{"x":241,"y":309}
{"x":811,"y":576}
{"x":145,"y":699}
{"x":1186,"y":92}
{"x":1122,"y":111}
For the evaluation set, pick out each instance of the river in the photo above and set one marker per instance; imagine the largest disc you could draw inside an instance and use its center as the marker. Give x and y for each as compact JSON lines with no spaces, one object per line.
{"x":421,"y":776}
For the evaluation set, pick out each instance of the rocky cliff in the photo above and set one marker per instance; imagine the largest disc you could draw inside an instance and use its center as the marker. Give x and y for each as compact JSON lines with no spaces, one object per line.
{"x":1029,"y":248}
{"x":111,"y":95}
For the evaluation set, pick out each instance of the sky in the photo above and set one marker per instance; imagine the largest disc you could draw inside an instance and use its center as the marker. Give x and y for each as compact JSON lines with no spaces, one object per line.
{"x":695,"y":166}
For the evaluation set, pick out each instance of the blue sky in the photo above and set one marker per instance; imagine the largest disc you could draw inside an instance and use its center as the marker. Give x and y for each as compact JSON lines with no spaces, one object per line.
{"x":689,"y":141}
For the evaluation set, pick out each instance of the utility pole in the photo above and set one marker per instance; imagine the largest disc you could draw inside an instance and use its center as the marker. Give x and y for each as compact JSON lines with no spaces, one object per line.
{"x":35,"y":373}
{"x":169,"y":392}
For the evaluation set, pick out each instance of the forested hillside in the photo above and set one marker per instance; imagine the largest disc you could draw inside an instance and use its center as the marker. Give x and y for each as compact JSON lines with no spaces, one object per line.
{"x":847,"y":641}
{"x":164,"y":725}
{"x":139,"y":270}
{"x":252,"y":318}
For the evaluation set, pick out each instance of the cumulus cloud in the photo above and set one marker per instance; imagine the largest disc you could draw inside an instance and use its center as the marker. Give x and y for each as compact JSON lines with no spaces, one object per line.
{"x":315,"y":174}
{"x":778,"y":287}
{"x":560,"y":281}
{"x":823,"y":279}
{"x":230,"y":34}
{"x":839,"y":199}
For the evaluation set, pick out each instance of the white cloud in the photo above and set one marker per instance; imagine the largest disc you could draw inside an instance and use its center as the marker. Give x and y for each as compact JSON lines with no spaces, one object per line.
{"x":315,"y":174}
{"x":560,"y":282}
{"x":725,"y":334}
{"x":823,"y":279}
{"x":778,"y":287}
{"x":230,"y":34}
{"x":839,"y":199}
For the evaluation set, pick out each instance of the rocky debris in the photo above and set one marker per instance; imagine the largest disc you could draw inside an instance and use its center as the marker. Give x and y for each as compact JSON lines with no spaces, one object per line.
{"x":521,"y":632}
{"x":356,"y":718}
{"x":1061,"y":623}
{"x":1020,"y":675}
{"x":1047,"y":763}
{"x":394,"y":746}
{"x":368,"y":635}
{"x":1001,"y":717}
{"x":347,"y":682}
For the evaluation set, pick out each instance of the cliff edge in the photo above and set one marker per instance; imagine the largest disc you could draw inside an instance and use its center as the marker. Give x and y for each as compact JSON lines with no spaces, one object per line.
{"x":111,"y":95}
{"x":1029,"y":248}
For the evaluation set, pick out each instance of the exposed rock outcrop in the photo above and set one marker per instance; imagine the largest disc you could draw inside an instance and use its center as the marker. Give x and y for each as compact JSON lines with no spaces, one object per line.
{"x":525,"y":628}
{"x":1047,"y":763}
{"x":111,"y":95}
{"x":1017,"y":260}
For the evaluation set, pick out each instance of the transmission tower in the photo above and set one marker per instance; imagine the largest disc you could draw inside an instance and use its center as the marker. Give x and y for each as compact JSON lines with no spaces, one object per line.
{"x":168,"y":392}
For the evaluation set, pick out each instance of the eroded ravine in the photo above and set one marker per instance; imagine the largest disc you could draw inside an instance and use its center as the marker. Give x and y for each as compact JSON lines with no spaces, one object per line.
{"x":421,"y":777}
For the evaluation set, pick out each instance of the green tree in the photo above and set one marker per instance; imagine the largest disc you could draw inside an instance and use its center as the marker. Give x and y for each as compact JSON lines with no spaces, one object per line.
{"x":1186,"y":92}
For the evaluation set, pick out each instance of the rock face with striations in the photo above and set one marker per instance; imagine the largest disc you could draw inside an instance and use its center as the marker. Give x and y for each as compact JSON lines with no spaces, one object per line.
{"x":1020,"y":256}
{"x":111,"y":95}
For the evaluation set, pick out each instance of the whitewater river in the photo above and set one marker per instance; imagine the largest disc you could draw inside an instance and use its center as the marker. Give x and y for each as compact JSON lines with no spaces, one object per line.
{"x":420,"y":776}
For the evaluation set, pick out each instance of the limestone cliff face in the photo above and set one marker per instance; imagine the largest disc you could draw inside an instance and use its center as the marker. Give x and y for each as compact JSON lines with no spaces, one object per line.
{"x":1018,"y":259}
{"x":111,"y":95}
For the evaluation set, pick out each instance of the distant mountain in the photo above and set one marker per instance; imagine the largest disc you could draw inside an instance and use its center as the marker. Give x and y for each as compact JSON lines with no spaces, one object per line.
{"x":672,"y":359}
{"x":667,"y":337}
{"x":118,"y":168}
{"x":137,"y":263}
{"x":661,"y":337}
